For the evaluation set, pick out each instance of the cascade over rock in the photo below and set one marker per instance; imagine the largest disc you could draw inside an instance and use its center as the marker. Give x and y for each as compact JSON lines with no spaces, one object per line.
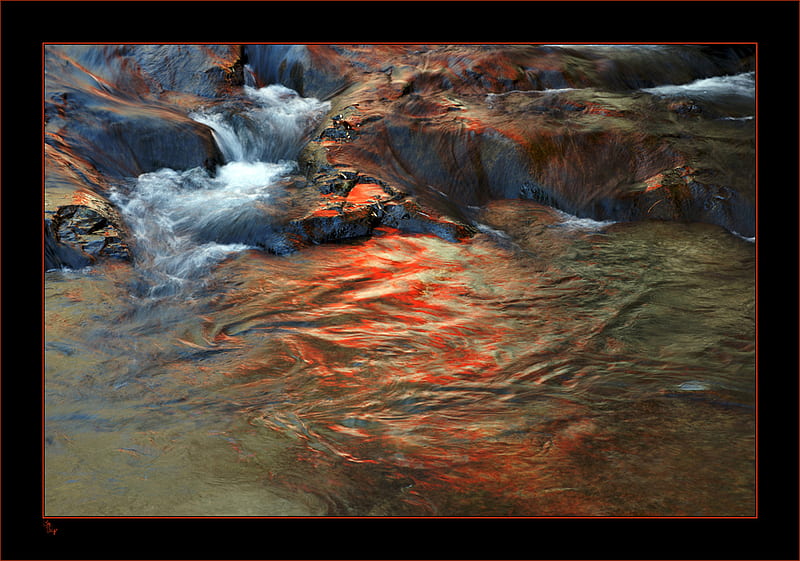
{"x":417,"y":136}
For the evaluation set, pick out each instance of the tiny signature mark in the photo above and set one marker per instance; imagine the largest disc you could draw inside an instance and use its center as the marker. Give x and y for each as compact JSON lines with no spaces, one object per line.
{"x":49,"y":528}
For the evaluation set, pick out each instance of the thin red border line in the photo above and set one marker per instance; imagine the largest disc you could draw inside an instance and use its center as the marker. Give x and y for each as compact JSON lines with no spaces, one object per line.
{"x":758,"y":237}
{"x":44,"y":323}
{"x":44,"y":517}
{"x":539,"y":43}
{"x":212,"y":517}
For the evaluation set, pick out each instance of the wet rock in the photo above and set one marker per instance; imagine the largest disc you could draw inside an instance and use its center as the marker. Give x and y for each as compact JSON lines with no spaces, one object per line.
{"x":356,"y":194}
{"x":468,"y":123}
{"x":85,"y":228}
{"x":310,"y":70}
{"x":202,"y":70}
{"x":408,"y":216}
{"x":121,"y":142}
{"x":416,"y":134}
{"x":341,"y":129}
{"x":692,"y":201}
{"x":58,"y":255}
{"x":106,"y":104}
{"x":81,"y":233}
{"x":327,"y":225}
{"x":144,"y":71}
{"x":685,"y":107}
{"x":355,"y":212}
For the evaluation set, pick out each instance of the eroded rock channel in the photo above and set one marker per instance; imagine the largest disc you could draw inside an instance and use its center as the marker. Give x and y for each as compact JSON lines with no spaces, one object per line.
{"x":408,"y":137}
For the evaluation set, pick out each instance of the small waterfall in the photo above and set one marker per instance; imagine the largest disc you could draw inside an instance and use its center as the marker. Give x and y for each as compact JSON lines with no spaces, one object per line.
{"x":274,"y":125}
{"x":250,"y":79}
{"x":185,"y":221}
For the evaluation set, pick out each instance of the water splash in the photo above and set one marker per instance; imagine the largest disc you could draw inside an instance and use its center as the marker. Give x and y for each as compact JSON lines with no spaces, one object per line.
{"x":186,"y":221}
{"x":743,"y":85}
{"x":273,"y":124}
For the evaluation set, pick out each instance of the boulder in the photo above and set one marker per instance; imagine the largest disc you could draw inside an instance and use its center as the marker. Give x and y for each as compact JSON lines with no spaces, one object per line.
{"x":164,"y":72}
{"x":120,"y":140}
{"x":80,"y":233}
{"x":458,"y":126}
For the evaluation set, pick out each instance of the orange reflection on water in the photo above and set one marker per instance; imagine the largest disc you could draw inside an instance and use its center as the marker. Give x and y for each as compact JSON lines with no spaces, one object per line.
{"x":394,"y":352}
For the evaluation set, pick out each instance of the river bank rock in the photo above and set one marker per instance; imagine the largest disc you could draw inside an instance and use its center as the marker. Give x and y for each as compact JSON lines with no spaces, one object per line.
{"x":341,"y":206}
{"x":124,"y":108}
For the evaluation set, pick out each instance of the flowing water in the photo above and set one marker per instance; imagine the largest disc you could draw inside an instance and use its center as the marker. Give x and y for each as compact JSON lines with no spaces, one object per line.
{"x":549,"y":366}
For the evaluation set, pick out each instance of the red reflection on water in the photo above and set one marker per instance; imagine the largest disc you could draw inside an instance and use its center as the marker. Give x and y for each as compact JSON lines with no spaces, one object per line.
{"x":394,"y":353}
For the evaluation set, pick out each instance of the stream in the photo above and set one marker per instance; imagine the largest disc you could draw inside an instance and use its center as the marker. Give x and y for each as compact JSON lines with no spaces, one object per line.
{"x":548,"y":366}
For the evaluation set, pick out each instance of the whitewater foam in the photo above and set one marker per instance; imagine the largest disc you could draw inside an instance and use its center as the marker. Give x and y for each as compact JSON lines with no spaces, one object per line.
{"x":273,"y":125}
{"x":743,"y":85}
{"x":186,"y":221}
{"x":745,"y":238}
{"x":572,"y":222}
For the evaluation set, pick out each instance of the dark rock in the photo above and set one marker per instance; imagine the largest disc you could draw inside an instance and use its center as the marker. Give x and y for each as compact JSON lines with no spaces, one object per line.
{"x":329,"y":225}
{"x":429,"y":127}
{"x":104,"y":104}
{"x":409,"y":216}
{"x":141,"y":71}
{"x":307,"y":69}
{"x":336,"y":182}
{"x":120,"y":142}
{"x":685,"y":107}
{"x":58,"y":255}
{"x":86,"y":231}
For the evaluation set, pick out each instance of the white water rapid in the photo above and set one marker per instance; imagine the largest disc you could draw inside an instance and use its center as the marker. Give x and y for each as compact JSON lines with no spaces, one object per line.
{"x":185,"y":221}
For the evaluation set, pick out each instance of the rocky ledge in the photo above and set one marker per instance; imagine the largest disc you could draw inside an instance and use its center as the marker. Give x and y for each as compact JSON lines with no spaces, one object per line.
{"x":418,"y":136}
{"x":596,"y":132}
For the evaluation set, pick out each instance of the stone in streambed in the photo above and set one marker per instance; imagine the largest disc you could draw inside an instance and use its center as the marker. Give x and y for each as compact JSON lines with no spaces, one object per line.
{"x":141,"y":71}
{"x":79,"y":234}
{"x":331,"y":224}
{"x":310,"y":70}
{"x":408,"y":216}
{"x":120,"y":142}
{"x":351,"y":214}
{"x":59,"y":255}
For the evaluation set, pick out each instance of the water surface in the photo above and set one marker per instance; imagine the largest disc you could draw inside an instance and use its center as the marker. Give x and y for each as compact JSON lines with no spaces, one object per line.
{"x":568,"y":373}
{"x":549,"y":366}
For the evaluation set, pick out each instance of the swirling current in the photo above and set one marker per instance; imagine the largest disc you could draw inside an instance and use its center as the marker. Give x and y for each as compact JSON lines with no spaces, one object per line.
{"x":548,"y":366}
